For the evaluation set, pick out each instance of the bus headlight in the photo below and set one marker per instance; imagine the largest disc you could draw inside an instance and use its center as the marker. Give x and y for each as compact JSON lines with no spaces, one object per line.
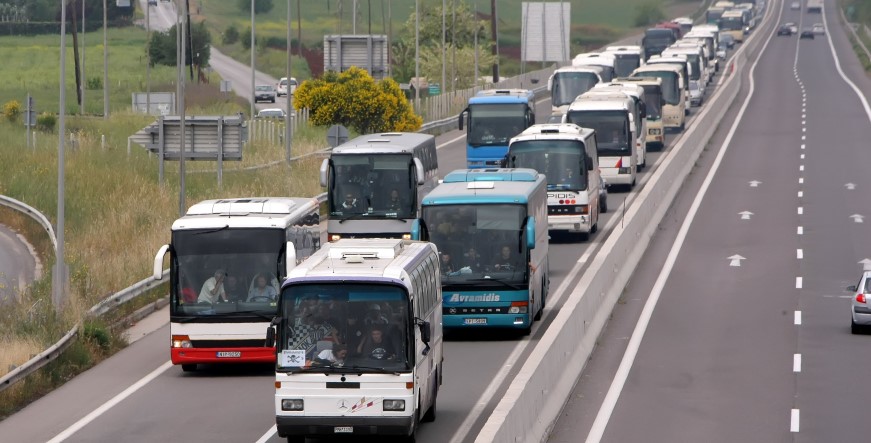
{"x":292,"y":404}
{"x":181,"y":341}
{"x":335,"y":237}
{"x":406,"y":236}
{"x":394,"y":405}
{"x":518,"y":307}
{"x":656,"y":131}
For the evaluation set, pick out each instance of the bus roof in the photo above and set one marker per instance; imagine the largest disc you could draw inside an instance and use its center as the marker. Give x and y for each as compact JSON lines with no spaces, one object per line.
{"x":385,"y":142}
{"x":659,"y":67}
{"x":643,"y":81}
{"x":629,"y":49}
{"x":520,"y":93}
{"x":502,"y":174}
{"x":593,"y":58}
{"x":588,"y":104}
{"x":553,"y":131}
{"x":250,"y":212}
{"x":364,"y":260}
{"x":468,"y":186}
{"x":497,"y":99}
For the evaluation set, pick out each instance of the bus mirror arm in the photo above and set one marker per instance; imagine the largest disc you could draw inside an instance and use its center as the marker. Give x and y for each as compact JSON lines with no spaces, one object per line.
{"x":158,"y":262}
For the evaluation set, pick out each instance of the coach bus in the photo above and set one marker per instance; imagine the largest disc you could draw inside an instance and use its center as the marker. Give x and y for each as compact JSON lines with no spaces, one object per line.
{"x":490,"y":227}
{"x":375,"y":183}
{"x":226,"y":259}
{"x":359,"y":340}
{"x":494,"y":116}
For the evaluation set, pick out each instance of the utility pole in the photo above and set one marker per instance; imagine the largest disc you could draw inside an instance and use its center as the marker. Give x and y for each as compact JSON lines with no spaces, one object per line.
{"x":59,"y":273}
{"x":148,"y":65}
{"x":84,"y":78}
{"x":105,"y":62}
{"x":494,"y":34}
{"x":253,"y":91}
{"x":288,"y":130}
{"x":181,"y":166}
{"x":443,"y":86}
{"x":417,"y":55}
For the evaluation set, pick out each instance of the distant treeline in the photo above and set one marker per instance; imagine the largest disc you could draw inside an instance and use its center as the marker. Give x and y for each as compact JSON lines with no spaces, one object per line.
{"x":32,"y":17}
{"x":38,"y":28}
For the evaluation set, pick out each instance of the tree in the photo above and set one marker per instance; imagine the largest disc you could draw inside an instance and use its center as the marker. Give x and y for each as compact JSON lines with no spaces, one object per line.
{"x":231,"y":35}
{"x":162,"y":46}
{"x":353,"y":98}
{"x":260,"y":6}
{"x":648,"y":13}
{"x":431,"y":64}
{"x":460,"y":33}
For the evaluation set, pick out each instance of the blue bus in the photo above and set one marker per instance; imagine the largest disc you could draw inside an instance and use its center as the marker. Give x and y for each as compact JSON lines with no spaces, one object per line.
{"x":490,"y":227}
{"x":493,"y":117}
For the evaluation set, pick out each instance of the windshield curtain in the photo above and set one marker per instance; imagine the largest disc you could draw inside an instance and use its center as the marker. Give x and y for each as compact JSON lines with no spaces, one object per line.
{"x":495,"y":124}
{"x":373,"y":186}
{"x":569,"y":85}
{"x":480,"y":245}
{"x":612,"y":129}
{"x":346,"y":327}
{"x":562,"y":161}
{"x":240,"y":256}
{"x":653,"y":101}
{"x":624,"y":64}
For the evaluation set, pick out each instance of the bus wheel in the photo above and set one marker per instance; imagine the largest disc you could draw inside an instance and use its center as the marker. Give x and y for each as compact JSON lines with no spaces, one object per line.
{"x":189,"y":368}
{"x":296,"y":439}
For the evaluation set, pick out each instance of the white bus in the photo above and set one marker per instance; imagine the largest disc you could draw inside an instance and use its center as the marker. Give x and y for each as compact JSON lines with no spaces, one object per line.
{"x":674,"y":107}
{"x":375,"y":183}
{"x":226,"y":258}
{"x":626,"y":58}
{"x":606,"y":61}
{"x":568,"y":82}
{"x":611,"y":118}
{"x":653,"y":106}
{"x":639,"y":114}
{"x":359,"y":340}
{"x":567,"y":155}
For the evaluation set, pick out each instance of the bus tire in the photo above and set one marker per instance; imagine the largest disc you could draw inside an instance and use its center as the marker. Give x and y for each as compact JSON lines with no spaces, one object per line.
{"x":189,"y":368}
{"x":296,"y":439}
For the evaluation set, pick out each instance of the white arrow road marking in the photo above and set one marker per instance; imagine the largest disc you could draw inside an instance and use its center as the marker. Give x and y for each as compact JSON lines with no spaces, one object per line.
{"x":735,"y":260}
{"x":745,"y":215}
{"x":850,"y":186}
{"x":754,"y":183}
{"x":857,"y":218}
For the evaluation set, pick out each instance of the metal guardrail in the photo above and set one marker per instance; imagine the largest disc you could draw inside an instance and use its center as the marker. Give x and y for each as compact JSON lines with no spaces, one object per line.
{"x":19,"y":206}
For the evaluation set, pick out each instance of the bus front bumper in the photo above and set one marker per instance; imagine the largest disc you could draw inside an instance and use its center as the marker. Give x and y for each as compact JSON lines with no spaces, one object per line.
{"x":185,"y":356}
{"x":465,"y":321}
{"x":570,"y":223}
{"x":302,"y":425}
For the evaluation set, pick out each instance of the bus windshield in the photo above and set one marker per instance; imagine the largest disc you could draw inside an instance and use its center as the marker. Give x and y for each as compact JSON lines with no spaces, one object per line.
{"x":562,"y":161}
{"x":226,"y":272}
{"x":494,"y":124}
{"x":624,"y":64}
{"x":612,"y":129}
{"x":373,"y":186}
{"x":653,"y":101}
{"x":481,"y":245}
{"x":732,"y":23}
{"x":566,"y":86}
{"x":344,"y":327}
{"x":670,"y":93}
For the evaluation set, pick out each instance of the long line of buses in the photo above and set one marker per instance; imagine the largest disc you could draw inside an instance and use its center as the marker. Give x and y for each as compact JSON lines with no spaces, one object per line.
{"x":354,"y":326}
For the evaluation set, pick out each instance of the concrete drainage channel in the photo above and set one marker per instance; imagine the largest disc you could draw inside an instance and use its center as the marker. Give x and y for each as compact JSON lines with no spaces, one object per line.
{"x":545,"y":380}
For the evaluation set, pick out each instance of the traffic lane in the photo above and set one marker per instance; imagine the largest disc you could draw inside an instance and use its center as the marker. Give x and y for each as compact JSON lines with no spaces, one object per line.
{"x":64,"y":406}
{"x":217,"y":403}
{"x":239,"y":76}
{"x":17,"y":265}
{"x":833,"y":243}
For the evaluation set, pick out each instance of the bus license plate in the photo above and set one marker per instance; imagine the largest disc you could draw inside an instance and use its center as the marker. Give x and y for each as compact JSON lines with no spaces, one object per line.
{"x":229,"y":354}
{"x":475,"y":321}
{"x":343,"y":429}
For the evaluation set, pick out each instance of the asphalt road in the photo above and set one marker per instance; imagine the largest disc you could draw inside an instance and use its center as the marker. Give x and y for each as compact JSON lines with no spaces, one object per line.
{"x":761,"y":351}
{"x":17,"y":265}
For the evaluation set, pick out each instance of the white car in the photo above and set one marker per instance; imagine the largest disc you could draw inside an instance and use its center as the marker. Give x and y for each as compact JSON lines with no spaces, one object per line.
{"x":860,"y":306}
{"x":281,"y":88}
{"x":819,"y":29}
{"x":271,"y":113}
{"x":795,"y":6}
{"x":695,"y":93}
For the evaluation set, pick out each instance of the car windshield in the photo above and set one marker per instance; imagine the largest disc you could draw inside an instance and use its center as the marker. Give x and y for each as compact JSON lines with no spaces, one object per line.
{"x":264,"y":88}
{"x":271,"y":114}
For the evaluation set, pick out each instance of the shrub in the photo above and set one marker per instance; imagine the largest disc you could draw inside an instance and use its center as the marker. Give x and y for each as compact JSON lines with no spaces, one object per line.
{"x":95,"y":83}
{"x":648,"y":13}
{"x":260,"y":6}
{"x":45,"y":122}
{"x":353,"y":98}
{"x":231,"y":35}
{"x":12,"y":110}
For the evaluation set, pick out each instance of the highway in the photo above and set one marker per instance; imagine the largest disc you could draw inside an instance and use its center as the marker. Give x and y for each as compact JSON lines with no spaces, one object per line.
{"x":138,"y":395}
{"x":756,"y":348}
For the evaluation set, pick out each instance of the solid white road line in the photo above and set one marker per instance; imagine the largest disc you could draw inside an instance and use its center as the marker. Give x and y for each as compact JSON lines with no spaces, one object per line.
{"x":272,"y":431}
{"x":110,"y":404}
{"x":797,"y":318}
{"x":793,"y":421}
{"x":459,"y":137}
{"x":796,"y":362}
{"x":610,"y":401}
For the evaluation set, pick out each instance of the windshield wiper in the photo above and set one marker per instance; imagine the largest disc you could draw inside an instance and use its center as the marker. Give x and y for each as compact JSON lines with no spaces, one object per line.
{"x":373,"y":368}
{"x":212,"y":230}
{"x":370,"y":215}
{"x":497,"y":280}
{"x":255,"y":313}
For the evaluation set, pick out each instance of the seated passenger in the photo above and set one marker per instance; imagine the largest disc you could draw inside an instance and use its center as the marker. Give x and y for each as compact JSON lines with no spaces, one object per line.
{"x":262,"y":290}
{"x":376,"y":346}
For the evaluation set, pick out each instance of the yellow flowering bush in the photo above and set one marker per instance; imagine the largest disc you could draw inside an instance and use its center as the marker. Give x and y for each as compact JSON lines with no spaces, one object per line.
{"x":354,"y":99}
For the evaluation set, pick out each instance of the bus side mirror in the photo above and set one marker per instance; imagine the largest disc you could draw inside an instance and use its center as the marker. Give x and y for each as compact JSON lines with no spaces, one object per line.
{"x":270,"y":337}
{"x":290,"y":258}
{"x":530,"y":233}
{"x":415,"y":229}
{"x":550,"y":82}
{"x":531,"y":118}
{"x":324,"y":172}
{"x":418,"y":169}
{"x":158,"y":262}
{"x":461,"y":117}
{"x":425,"y":334}
{"x":589,"y":162}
